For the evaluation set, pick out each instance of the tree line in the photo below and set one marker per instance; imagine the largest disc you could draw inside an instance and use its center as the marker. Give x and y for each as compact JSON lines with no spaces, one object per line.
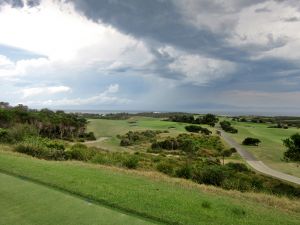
{"x":47,"y":123}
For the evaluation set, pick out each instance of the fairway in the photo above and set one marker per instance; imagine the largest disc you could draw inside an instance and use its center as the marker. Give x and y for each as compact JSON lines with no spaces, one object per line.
{"x":271,"y":149}
{"x":112,"y":128}
{"x":26,"y":203}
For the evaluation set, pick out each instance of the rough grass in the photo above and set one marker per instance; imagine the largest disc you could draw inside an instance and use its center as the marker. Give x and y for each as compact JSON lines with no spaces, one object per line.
{"x":175,"y":201}
{"x":271,"y":149}
{"x":112,"y":128}
{"x":27,"y":203}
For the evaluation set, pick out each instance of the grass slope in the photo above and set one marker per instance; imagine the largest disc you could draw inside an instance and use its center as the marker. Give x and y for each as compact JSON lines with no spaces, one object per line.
{"x":271,"y":149}
{"x":28,"y":203}
{"x":152,"y":198}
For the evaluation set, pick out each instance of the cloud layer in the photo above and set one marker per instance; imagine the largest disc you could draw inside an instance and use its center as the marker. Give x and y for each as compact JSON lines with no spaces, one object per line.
{"x":140,"y":54}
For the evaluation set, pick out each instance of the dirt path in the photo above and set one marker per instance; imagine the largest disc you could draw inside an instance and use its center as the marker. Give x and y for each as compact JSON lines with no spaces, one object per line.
{"x":97,"y":141}
{"x":259,"y":165}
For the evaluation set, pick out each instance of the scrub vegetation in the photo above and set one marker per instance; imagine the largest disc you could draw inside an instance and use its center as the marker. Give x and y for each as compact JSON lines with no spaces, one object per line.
{"x":176,"y":146}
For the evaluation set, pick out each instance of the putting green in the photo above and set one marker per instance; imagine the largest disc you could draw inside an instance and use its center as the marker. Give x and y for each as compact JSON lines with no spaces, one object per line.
{"x":26,"y":203}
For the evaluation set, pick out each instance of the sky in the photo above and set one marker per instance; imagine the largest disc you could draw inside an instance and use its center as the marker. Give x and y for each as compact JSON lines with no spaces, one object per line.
{"x":159,"y":55}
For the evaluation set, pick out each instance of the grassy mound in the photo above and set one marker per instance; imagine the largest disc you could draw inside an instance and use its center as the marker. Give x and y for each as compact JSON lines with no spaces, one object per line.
{"x":173,"y":202}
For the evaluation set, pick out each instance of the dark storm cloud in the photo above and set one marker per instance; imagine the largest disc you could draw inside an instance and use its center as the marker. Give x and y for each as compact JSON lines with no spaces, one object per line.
{"x":14,"y":3}
{"x":292,"y":19}
{"x":160,"y":22}
{"x":157,"y":20}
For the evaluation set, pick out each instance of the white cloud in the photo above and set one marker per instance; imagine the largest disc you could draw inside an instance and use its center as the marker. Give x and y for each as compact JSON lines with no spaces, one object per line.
{"x":113,"y":88}
{"x":263,"y":28}
{"x":197,"y":69}
{"x":104,"y":98}
{"x":44,"y":91}
{"x":68,"y":40}
{"x":8,"y":68}
{"x":269,"y":27}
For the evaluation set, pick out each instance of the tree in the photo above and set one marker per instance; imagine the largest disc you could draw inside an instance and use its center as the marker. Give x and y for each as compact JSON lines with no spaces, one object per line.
{"x":251,"y":141}
{"x":226,"y":126}
{"x":193,"y":128}
{"x":209,"y":119}
{"x":293,"y":147}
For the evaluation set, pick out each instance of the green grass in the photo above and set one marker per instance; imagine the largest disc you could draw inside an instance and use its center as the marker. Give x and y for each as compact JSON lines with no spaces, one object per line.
{"x":271,"y":149}
{"x":112,"y":128}
{"x":152,"y":198}
{"x":27,"y":203}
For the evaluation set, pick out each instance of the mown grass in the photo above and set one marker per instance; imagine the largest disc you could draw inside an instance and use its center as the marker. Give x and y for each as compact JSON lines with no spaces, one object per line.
{"x":153,"y":198}
{"x":27,"y":203}
{"x":271,"y":148}
{"x":112,"y":128}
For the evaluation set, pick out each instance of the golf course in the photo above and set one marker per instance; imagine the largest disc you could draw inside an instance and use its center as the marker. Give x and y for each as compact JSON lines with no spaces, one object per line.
{"x":271,"y":149}
{"x":143,"y":170}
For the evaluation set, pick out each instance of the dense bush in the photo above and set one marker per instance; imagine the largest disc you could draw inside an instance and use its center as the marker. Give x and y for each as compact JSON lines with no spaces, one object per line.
{"x":136,"y":137}
{"x":80,"y":152}
{"x":184,"y":171}
{"x":47,"y":123}
{"x":168,"y":144}
{"x":238,"y":167}
{"x":213,"y":175}
{"x":191,"y":144}
{"x":197,"y":129}
{"x":209,"y":119}
{"x":166,"y":167}
{"x":42,"y":148}
{"x":207,"y":171}
{"x":131,"y":162}
{"x":293,"y":147}
{"x":90,"y":136}
{"x":226,"y":126}
{"x":251,"y":141}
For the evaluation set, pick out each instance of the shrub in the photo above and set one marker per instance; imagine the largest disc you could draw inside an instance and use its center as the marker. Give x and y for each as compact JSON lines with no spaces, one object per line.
{"x":100,"y":158}
{"x":213,"y":175}
{"x":41,"y":148}
{"x":293,"y":147}
{"x":166,"y":168}
{"x":226,"y":153}
{"x":4,"y":136}
{"x":226,"y":126}
{"x":87,"y":136}
{"x":205,"y":131}
{"x":238,"y":167}
{"x":131,"y":162}
{"x":206,"y":205}
{"x":251,"y":141}
{"x":240,"y":182}
{"x":81,"y":152}
{"x":125,"y":142}
{"x":233,"y":150}
{"x":184,"y":172}
{"x":193,"y":128}
{"x":168,"y":144}
{"x":136,"y":137}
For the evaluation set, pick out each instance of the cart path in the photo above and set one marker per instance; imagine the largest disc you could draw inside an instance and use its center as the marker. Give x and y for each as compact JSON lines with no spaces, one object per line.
{"x":257,"y":164}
